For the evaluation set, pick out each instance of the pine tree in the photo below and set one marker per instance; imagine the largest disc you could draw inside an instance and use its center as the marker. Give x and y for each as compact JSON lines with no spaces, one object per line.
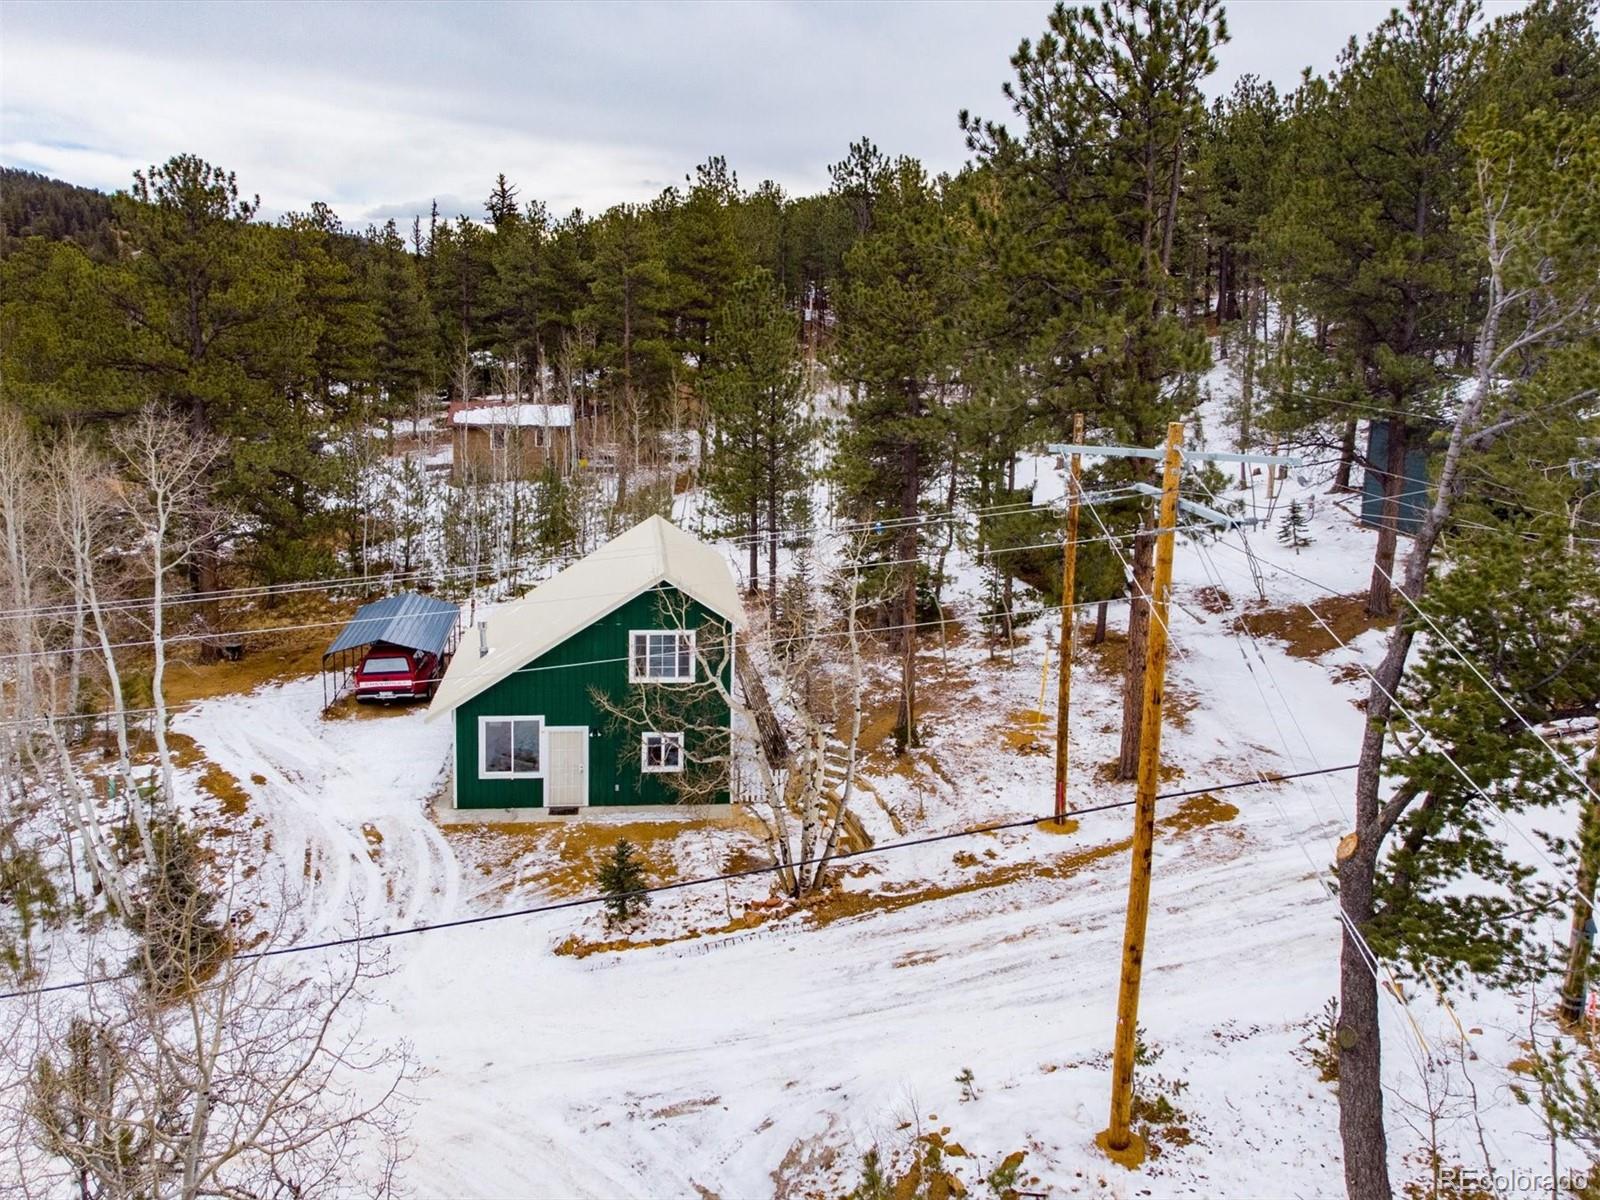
{"x":899,"y":348}
{"x":1381,"y":173}
{"x":182,"y":943}
{"x":1093,"y":195}
{"x":622,"y":876}
{"x":764,"y":435}
{"x":1292,"y":529}
{"x":704,"y":257}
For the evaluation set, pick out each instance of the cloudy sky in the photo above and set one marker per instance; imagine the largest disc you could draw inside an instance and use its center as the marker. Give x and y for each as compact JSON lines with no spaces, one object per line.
{"x":377,"y":108}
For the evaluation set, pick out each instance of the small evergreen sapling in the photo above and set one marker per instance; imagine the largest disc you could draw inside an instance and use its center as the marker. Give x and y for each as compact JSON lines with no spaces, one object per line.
{"x":621,"y":880}
{"x":1292,"y":529}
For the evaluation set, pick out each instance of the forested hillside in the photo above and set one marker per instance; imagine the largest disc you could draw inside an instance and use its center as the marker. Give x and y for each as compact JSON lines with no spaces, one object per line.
{"x":208,"y":415}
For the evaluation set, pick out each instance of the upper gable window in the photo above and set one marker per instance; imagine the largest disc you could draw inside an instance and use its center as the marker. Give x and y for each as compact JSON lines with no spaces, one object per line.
{"x":661,"y":656}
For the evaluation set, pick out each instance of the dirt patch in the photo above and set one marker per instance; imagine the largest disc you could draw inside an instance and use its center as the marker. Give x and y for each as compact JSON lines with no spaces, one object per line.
{"x":347,"y":709}
{"x":1302,"y":634}
{"x":1199,"y":812}
{"x":1026,"y":732}
{"x":1051,"y":825}
{"x":684,"y":1107}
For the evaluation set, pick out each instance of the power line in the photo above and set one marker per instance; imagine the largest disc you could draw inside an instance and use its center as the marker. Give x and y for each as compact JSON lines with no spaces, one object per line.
{"x":266,"y":630}
{"x":533,"y":563}
{"x":1013,"y":612}
{"x":698,"y":881}
{"x":1431,"y":740}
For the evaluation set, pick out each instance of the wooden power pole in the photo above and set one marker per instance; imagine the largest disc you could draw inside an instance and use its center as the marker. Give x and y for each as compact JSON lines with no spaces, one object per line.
{"x":1069,"y":583}
{"x":1118,"y":1139}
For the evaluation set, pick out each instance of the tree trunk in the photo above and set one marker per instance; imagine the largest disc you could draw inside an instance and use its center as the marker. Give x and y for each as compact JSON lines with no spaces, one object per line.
{"x":755,"y":547}
{"x":1100,"y":623}
{"x":1366,"y":1146}
{"x":1581,"y":944}
{"x":772,"y":543}
{"x":906,"y":733}
{"x":1347,"y":457}
{"x":1380,"y":599}
{"x":1138,"y":631}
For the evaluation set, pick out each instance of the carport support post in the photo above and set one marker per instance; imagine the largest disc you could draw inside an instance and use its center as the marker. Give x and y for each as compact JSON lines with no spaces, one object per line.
{"x":1069,"y":576}
{"x":1118,"y":1140}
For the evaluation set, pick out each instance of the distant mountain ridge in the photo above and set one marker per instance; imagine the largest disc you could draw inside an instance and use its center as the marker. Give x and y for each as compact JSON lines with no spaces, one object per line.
{"x":34,"y":205}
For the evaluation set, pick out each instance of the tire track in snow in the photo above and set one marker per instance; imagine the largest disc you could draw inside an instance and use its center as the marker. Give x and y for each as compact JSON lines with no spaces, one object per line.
{"x":327,"y":784}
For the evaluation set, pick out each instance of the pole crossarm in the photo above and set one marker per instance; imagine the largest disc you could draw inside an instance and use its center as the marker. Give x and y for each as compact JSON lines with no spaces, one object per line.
{"x":1227,"y":456}
{"x":1205,"y":512}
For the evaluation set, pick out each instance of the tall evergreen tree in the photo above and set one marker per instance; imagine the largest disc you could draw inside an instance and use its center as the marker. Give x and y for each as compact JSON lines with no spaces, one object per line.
{"x":898,"y":348}
{"x":764,"y":435}
{"x":1110,"y":108}
{"x":704,"y":257}
{"x":1382,"y":170}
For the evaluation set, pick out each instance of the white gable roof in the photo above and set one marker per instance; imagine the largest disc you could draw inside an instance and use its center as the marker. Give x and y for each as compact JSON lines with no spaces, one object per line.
{"x":652,"y":552}
{"x":549,"y":416}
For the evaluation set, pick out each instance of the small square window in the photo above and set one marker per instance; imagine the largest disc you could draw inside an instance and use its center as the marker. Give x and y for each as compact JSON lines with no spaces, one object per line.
{"x":497,"y":439}
{"x":662,"y":752}
{"x":661,"y":656}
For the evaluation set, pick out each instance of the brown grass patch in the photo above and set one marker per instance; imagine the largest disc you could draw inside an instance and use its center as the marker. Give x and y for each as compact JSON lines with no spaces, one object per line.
{"x":837,"y":905}
{"x":271,"y":655}
{"x":1199,"y":812}
{"x":229,"y":793}
{"x":1303,"y":635}
{"x":185,"y":750}
{"x":1051,"y":825}
{"x":1110,"y":655}
{"x":576,"y":848}
{"x":575,"y":946}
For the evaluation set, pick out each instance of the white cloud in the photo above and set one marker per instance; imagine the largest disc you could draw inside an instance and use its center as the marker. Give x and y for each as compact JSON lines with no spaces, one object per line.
{"x":377,"y":109}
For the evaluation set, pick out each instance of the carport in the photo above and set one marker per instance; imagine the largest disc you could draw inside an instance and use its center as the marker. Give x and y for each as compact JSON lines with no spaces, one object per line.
{"x":406,"y":620}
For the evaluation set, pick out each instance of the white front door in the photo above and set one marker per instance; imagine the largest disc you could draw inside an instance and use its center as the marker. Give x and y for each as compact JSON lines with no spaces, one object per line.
{"x":567,"y":781}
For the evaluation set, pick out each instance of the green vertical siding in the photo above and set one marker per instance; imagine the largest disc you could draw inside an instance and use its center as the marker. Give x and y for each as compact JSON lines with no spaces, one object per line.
{"x":595,"y":657}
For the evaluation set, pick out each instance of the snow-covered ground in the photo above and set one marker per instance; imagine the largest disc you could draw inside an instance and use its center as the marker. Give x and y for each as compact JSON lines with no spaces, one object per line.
{"x":766,"y":1061}
{"x":758,"y":1052}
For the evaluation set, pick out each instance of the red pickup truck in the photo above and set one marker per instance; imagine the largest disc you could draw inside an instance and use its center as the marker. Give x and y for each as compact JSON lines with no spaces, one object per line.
{"x":394,"y":673}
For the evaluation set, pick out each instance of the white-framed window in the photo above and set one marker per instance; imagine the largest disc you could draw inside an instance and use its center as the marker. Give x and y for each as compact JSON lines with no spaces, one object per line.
{"x":661,"y":656}
{"x":497,"y":439}
{"x":510,"y":747}
{"x":661,"y":752}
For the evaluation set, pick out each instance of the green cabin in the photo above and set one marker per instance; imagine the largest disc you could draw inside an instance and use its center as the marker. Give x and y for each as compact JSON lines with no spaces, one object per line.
{"x":608,"y":684}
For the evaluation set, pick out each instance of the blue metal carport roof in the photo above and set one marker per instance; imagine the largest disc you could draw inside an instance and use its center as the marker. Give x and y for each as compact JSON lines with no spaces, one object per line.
{"x":409,"y":620}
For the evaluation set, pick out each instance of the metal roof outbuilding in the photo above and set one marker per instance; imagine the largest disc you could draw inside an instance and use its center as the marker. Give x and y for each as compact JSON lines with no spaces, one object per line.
{"x":407,"y":619}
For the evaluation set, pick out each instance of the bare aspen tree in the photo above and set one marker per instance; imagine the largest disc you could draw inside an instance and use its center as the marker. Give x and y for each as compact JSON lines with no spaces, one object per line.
{"x":204,"y":1075}
{"x":164,"y":463}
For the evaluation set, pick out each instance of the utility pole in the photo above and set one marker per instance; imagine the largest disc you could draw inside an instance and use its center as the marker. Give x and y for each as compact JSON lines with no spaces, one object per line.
{"x":1069,"y":623}
{"x":1119,"y":1138}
